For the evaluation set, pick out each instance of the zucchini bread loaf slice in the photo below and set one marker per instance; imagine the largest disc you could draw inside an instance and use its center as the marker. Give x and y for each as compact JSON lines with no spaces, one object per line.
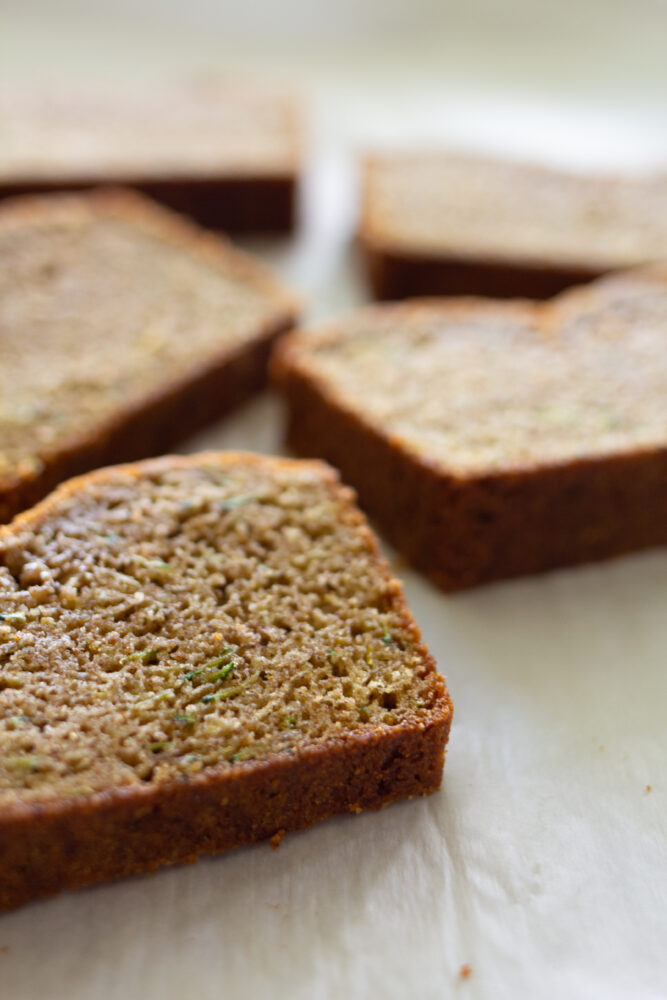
{"x":493,"y":439}
{"x":195,"y":653}
{"x":228,"y":154}
{"x":122,"y":329}
{"x":445,"y":224}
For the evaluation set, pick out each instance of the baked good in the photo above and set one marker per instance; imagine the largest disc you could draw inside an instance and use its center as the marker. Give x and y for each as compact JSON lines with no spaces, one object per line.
{"x":445,"y":224}
{"x":228,"y":154}
{"x":492,"y":439}
{"x":122,"y":329}
{"x":199,"y":652}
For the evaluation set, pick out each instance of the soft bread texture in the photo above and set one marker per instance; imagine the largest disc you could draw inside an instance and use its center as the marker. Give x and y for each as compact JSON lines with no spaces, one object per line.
{"x":122,"y":329}
{"x":227,"y":153}
{"x":198,"y":652}
{"x":447,"y":224}
{"x":494,"y":439}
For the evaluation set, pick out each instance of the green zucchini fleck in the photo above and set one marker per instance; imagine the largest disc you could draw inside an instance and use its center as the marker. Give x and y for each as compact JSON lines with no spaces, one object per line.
{"x":185,"y":720}
{"x":230,"y":692}
{"x":17,"y":617}
{"x":145,"y":656}
{"x":225,"y":672}
{"x":159,"y":564}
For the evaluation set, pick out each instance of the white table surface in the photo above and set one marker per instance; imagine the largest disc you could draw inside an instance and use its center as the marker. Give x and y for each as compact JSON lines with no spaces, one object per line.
{"x":542,"y":863}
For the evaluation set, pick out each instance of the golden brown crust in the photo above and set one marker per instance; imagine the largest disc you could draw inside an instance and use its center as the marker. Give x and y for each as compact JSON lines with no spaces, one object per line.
{"x":64,"y":843}
{"x":48,"y":849}
{"x":465,"y":530}
{"x":181,"y":407}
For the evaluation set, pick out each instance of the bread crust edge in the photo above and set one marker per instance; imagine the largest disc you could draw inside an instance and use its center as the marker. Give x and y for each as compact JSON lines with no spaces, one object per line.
{"x":48,"y":847}
{"x":463,"y":531}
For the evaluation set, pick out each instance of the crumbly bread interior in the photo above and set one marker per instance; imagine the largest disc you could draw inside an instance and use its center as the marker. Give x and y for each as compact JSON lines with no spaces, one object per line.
{"x":162,"y":619}
{"x":476,"y":386}
{"x":480,"y":208}
{"x":207,"y":128}
{"x":100,"y":306}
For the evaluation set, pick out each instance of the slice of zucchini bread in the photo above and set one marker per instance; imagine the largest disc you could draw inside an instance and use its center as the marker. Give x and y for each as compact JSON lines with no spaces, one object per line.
{"x":195,"y":653}
{"x":228,"y":153}
{"x":493,"y":439}
{"x":123,"y":328}
{"x":448,"y":224}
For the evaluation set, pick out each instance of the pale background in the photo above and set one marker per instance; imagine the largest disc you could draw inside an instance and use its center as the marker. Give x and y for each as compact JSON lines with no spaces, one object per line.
{"x":542,"y":864}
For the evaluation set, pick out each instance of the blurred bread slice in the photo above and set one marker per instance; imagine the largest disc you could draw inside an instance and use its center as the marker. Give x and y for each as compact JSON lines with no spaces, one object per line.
{"x":445,"y":224}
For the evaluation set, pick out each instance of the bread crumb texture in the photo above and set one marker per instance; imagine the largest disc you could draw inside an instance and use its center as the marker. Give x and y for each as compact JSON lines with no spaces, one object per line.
{"x":105,"y":301}
{"x":474,"y":207}
{"x":207,"y":128}
{"x":477,"y":387}
{"x":183,"y":614}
